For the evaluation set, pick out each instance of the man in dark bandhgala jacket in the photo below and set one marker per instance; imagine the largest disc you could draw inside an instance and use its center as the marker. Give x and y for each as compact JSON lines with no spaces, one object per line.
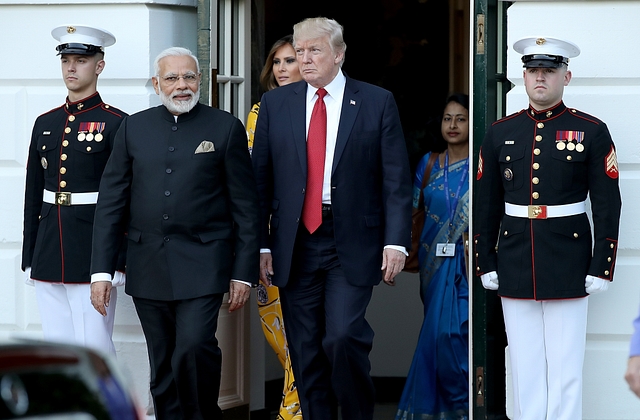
{"x":180,"y":183}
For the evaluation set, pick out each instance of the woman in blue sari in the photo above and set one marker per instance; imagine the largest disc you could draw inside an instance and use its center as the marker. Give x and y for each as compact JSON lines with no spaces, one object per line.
{"x":437,"y":385}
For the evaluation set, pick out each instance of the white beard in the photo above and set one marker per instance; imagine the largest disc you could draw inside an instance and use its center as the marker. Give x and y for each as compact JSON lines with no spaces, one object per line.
{"x":180,"y":107}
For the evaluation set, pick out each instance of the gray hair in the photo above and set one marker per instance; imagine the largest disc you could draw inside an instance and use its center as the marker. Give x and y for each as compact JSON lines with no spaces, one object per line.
{"x":321,"y":27}
{"x":174,"y":52}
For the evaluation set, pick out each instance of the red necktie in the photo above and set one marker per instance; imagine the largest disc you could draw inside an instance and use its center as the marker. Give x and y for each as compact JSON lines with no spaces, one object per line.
{"x":316,"y":146}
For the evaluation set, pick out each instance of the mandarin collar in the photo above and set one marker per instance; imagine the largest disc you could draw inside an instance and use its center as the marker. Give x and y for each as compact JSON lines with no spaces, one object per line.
{"x":548,"y":113}
{"x":83,"y":104}
{"x":182,"y":117}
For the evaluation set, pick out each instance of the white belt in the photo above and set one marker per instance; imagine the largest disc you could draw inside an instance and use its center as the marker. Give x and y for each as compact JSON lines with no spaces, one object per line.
{"x":69,"y":199}
{"x":544,"y":212}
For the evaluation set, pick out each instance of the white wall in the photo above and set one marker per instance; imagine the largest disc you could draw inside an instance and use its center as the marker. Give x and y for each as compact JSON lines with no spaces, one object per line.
{"x":605,"y":83}
{"x":31,"y":84}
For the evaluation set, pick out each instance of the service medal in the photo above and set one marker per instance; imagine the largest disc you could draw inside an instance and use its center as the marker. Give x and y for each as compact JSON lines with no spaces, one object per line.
{"x":580,"y":147}
{"x":561,"y":145}
{"x":98,"y":137}
{"x":571,"y":146}
{"x":90,"y":137}
{"x":81,"y":136}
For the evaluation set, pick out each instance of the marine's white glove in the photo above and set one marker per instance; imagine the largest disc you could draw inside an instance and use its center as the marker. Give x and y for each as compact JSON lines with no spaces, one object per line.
{"x":119,"y":279}
{"x":490,"y":280}
{"x":594,"y":285}
{"x":27,"y":277}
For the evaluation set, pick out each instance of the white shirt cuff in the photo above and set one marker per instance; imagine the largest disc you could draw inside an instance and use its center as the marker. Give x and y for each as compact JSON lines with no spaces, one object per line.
{"x":398,"y":248}
{"x":100,"y":277}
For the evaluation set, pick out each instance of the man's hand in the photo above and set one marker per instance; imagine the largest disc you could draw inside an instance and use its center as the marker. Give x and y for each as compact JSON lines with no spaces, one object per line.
{"x":593,"y":285}
{"x":392,"y":264}
{"x":266,"y":268}
{"x":238,"y":295}
{"x":633,"y":374}
{"x":100,"y":296}
{"x":490,"y":280}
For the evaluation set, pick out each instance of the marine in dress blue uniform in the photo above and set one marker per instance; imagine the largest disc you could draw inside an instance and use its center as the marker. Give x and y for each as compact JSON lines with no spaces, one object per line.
{"x":70,"y":146}
{"x":534,"y":239}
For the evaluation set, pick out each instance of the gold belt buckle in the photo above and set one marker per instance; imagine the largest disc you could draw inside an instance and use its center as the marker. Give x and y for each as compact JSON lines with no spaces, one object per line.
{"x":63,"y":198}
{"x":537,"y":212}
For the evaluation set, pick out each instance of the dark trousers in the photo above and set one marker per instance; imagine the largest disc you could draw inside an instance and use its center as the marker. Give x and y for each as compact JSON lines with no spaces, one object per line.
{"x":184,"y":356}
{"x":329,"y":339}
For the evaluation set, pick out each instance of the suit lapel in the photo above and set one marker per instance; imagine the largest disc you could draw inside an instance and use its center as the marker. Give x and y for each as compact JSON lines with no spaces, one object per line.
{"x":297,"y":108}
{"x":351,"y":102}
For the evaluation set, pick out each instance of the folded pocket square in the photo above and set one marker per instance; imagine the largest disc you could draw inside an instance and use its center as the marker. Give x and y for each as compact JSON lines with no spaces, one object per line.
{"x":205,"y":147}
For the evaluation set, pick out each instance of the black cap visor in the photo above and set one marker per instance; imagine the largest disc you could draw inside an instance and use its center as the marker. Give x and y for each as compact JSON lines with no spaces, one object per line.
{"x":75,"y":48}
{"x":544,"y":60}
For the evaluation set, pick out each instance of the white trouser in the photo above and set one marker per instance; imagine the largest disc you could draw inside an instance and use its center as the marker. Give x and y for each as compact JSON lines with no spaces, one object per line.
{"x":546,"y":350}
{"x":68,"y":316}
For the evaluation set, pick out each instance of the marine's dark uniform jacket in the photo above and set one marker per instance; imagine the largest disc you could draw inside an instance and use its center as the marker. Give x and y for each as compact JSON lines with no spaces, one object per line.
{"x":552,"y":157}
{"x":69,"y":149}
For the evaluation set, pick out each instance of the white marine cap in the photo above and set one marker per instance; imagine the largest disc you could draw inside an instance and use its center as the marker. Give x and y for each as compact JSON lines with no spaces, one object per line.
{"x":542,"y":51}
{"x":82,"y":39}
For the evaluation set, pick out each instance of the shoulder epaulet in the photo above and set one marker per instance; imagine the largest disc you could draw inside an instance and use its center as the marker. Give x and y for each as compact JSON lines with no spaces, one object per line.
{"x":508,"y":117}
{"x":52,"y":110}
{"x":583,"y":115}
{"x":114,"y":110}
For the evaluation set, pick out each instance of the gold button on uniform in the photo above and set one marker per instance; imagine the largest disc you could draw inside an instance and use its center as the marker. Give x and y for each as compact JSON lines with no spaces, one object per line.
{"x":569,"y":157}
{"x":63,"y":184}
{"x":536,"y":151}
{"x":606,"y":272}
{"x":535,"y":180}
{"x":611,"y":246}
{"x":505,"y":233}
{"x":538,"y":137}
{"x":67,"y":130}
{"x":63,"y":156}
{"x":609,"y":259}
{"x":63,"y":170}
{"x":508,"y":158}
{"x":535,"y":195}
{"x":88,"y":148}
{"x":575,"y":234}
{"x":536,"y":166}
{"x":72,"y":118}
{"x":540,"y":125}
{"x":65,"y":143}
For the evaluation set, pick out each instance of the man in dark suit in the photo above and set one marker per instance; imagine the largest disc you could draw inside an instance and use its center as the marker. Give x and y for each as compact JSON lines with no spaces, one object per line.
{"x":69,"y":149}
{"x":334,"y":220}
{"x":535,"y":171}
{"x":180,"y":184}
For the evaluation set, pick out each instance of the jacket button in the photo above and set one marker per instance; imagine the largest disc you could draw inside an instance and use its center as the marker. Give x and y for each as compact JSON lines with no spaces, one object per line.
{"x":606,"y":272}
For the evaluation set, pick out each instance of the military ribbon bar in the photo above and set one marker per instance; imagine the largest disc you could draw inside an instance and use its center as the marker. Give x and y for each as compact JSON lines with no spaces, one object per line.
{"x":570,"y":135}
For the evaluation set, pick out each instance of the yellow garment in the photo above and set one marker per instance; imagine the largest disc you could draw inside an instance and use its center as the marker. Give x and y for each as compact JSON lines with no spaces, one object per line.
{"x":273,"y":328}
{"x":271,"y":318}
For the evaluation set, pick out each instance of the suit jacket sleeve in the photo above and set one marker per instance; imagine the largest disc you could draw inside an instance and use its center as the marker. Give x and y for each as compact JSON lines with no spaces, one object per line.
{"x":396,"y":178}
{"x":111,"y":211}
{"x":243,"y":197}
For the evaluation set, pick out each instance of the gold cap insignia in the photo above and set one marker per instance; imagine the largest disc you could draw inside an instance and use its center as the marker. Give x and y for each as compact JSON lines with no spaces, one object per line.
{"x":541,"y":41}
{"x":71,"y":29}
